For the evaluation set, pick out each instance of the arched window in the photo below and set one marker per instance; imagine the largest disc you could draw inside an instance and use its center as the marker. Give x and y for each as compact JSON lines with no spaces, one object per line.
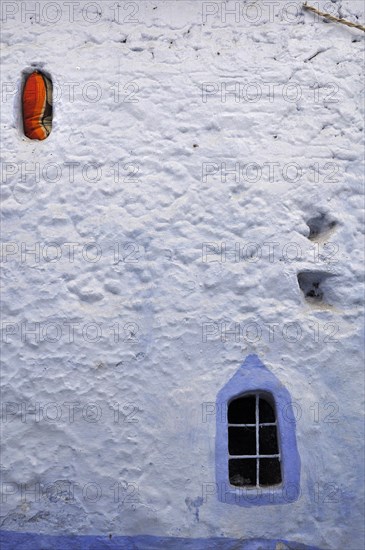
{"x":254,"y":457}
{"x":257,"y":460}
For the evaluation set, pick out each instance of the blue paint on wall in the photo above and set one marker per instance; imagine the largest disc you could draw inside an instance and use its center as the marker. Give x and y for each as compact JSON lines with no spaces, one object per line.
{"x":11,"y":540}
{"x":254,"y":377}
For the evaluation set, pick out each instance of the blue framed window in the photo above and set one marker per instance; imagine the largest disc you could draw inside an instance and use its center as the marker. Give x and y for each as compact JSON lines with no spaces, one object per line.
{"x":257,"y":460}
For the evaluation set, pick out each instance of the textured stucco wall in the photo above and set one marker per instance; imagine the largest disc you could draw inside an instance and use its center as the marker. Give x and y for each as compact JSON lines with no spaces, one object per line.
{"x":151,"y":343}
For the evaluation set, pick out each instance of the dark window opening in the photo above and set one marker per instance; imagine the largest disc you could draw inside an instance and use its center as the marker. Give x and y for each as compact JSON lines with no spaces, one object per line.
{"x":242,"y":441}
{"x":242,"y":410}
{"x":242,"y":472}
{"x":254,"y":455}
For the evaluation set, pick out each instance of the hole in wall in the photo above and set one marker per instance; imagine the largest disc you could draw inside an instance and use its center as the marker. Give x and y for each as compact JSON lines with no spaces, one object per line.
{"x":319,"y":226}
{"x":314,"y":286}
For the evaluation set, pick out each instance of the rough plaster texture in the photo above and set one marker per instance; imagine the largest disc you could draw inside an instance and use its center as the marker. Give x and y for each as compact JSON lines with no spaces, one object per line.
{"x":175,"y":354}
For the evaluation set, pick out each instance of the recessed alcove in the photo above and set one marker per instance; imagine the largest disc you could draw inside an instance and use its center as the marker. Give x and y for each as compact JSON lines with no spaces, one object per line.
{"x":320,"y":226}
{"x":313,"y":284}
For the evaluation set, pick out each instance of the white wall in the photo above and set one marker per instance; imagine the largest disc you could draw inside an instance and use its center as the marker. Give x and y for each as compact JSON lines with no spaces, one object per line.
{"x":161,"y":61}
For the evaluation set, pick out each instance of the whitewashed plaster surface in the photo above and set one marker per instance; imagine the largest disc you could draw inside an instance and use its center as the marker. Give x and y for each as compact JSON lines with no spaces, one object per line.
{"x":157,"y":289}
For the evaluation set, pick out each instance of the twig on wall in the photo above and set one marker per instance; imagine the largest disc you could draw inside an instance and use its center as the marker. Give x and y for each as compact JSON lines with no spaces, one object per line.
{"x":333,"y":18}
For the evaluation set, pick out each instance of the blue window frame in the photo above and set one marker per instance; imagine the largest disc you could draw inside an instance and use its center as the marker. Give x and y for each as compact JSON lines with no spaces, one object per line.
{"x":257,"y":460}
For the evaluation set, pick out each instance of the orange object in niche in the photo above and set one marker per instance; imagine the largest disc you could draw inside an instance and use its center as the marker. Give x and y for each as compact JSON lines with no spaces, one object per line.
{"x":37,"y":106}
